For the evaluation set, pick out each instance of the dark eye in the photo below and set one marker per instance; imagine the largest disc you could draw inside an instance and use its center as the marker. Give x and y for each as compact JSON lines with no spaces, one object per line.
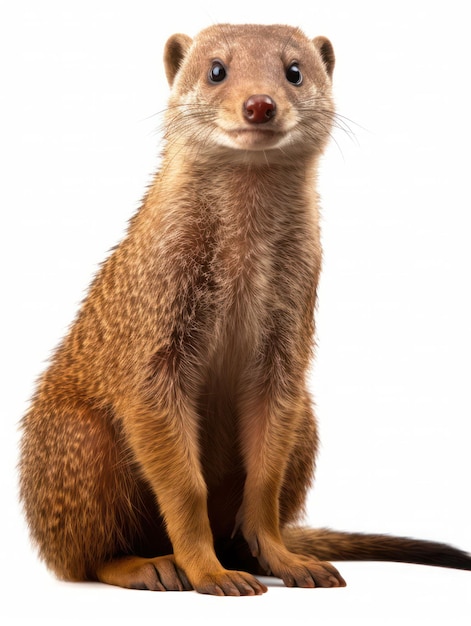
{"x":293,"y":74}
{"x":217,"y":73}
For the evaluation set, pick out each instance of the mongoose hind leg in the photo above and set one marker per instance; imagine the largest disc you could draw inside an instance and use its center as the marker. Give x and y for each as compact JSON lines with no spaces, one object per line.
{"x":134,"y":572}
{"x":83,"y":497}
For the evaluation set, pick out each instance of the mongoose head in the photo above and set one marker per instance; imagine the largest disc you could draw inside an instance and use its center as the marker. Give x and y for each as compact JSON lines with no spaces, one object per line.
{"x":251,"y":89}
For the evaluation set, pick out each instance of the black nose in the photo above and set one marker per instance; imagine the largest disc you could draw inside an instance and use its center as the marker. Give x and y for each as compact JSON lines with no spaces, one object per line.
{"x":259,"y":109}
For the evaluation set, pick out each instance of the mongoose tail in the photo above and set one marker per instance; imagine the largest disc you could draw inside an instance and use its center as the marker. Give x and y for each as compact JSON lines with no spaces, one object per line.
{"x":331,"y":545}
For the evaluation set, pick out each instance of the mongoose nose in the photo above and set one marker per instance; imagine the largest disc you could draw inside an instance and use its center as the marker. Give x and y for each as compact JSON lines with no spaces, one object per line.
{"x":259,"y":109}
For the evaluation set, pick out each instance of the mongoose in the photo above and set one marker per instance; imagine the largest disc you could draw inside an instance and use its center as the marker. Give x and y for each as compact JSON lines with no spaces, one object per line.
{"x":171,"y":442}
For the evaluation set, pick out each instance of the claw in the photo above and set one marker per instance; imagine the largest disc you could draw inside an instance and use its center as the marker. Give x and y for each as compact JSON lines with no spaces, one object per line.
{"x":238,"y":523}
{"x":254,"y":547}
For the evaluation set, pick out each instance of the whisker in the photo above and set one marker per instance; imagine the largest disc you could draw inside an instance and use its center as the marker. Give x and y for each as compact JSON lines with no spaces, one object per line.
{"x":336,"y":121}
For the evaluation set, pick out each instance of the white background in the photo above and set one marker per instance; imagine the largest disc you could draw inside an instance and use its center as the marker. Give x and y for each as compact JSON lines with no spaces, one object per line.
{"x":80,"y":86}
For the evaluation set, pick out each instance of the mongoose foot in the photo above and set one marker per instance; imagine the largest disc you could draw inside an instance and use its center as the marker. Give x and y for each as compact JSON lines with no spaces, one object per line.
{"x":307,"y":572}
{"x":295,"y":570}
{"x":158,"y":574}
{"x":229,"y":583}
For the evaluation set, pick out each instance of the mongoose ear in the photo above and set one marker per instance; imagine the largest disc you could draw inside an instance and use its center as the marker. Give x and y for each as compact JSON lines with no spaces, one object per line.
{"x":175,"y":50}
{"x":327,"y":53}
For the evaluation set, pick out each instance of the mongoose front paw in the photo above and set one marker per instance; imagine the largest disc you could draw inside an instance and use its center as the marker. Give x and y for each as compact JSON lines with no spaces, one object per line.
{"x":295,"y":570}
{"x":309,"y":573}
{"x":229,"y":583}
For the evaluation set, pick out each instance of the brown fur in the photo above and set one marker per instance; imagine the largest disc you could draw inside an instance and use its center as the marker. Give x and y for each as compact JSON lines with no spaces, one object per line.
{"x":173,"y":435}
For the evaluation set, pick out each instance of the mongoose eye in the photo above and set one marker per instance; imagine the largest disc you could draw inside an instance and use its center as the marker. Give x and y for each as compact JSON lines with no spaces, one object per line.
{"x":293,"y":74}
{"x":217,"y":73}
